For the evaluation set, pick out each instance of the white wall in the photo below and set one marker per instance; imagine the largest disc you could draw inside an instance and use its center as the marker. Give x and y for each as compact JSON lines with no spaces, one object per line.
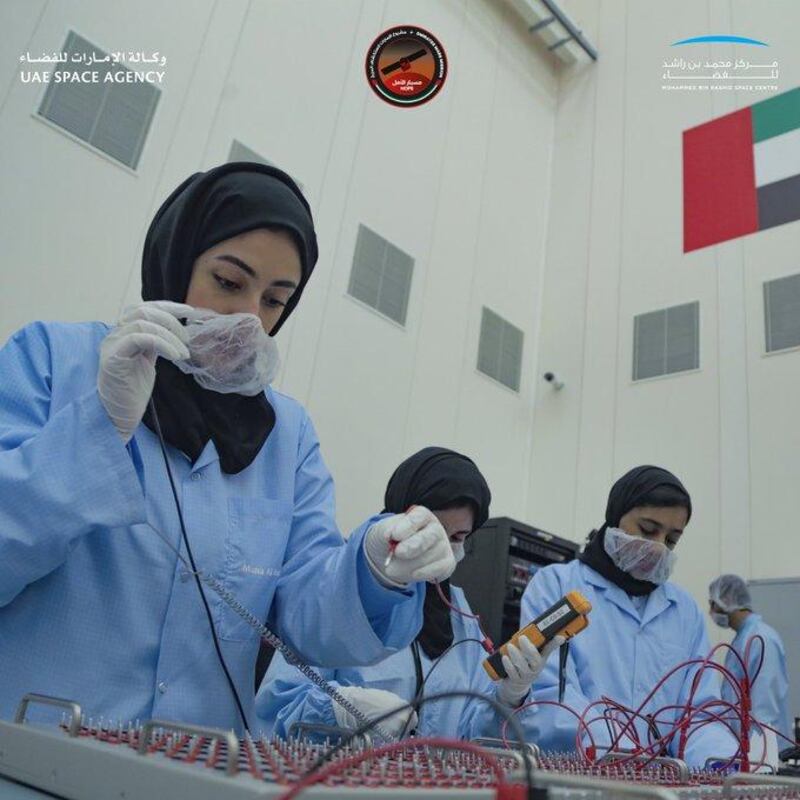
{"x":550,"y":194}
{"x":729,"y":430}
{"x":73,"y":221}
{"x":461,"y":184}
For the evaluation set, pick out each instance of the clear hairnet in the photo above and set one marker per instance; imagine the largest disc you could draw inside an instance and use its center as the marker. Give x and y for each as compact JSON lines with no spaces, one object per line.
{"x":230,"y":353}
{"x":730,"y":593}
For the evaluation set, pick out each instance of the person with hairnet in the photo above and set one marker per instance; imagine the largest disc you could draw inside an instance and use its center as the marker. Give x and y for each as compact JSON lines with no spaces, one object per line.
{"x":641,"y":626}
{"x":95,"y":604}
{"x":730,"y":606}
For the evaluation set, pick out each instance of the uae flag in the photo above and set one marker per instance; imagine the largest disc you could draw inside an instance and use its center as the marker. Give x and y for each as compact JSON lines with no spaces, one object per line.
{"x":741,"y":172}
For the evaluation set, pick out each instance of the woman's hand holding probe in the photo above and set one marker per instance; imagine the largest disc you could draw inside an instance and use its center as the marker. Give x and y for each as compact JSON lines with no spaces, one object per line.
{"x":409,"y":547}
{"x":128,"y":359}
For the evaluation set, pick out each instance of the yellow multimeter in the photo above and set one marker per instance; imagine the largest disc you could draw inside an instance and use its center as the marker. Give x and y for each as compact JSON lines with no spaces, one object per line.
{"x":565,"y":618}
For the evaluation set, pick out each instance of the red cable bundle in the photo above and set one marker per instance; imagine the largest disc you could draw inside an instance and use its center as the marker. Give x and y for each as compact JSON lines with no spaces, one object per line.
{"x":687,"y":719}
{"x":352,"y":761}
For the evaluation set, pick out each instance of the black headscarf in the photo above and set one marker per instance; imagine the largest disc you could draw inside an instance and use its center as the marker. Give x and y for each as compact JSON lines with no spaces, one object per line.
{"x":630,"y":491}
{"x":437,"y":478}
{"x":204,"y":210}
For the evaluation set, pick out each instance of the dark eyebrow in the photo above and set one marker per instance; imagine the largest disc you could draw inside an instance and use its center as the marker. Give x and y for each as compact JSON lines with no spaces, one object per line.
{"x":659,"y":525}
{"x":237,"y":262}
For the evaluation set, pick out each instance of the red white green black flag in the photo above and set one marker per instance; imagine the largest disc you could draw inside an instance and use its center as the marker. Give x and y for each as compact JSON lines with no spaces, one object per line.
{"x":741,"y":172}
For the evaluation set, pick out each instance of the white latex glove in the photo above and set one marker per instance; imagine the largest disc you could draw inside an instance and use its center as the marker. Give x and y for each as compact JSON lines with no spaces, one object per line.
{"x":423,"y":552}
{"x":373,"y":703}
{"x":128,"y":359}
{"x":523,"y":665}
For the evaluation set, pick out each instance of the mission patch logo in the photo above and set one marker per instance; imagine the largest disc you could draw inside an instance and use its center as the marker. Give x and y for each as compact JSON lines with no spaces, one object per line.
{"x":406,"y":66}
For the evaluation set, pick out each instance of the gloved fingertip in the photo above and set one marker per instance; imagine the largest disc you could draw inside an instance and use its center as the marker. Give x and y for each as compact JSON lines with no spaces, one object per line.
{"x":410,"y":546}
{"x":401,"y":529}
{"x":508,"y":666}
{"x":172,"y":307}
{"x":182,"y":334}
{"x":527,"y":646}
{"x":554,"y":644}
{"x":438,"y":571}
{"x":418,"y":515}
{"x":516,"y":658}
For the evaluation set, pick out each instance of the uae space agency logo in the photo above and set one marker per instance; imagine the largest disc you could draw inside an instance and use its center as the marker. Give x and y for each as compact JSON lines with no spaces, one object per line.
{"x":406,"y":66}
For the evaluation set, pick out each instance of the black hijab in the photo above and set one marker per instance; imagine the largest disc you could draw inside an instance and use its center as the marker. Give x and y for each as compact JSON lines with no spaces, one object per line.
{"x":437,"y":478}
{"x":634,"y":488}
{"x":204,"y":210}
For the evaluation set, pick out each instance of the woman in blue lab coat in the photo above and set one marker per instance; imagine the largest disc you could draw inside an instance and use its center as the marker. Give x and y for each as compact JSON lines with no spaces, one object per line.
{"x":94,"y":605}
{"x":640,"y":625}
{"x":452,"y":486}
{"x":731,"y":607}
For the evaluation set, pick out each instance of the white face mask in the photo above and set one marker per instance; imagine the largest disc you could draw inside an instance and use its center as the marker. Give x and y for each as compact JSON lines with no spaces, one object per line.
{"x":230,"y":353}
{"x":723,"y":620}
{"x":641,"y":558}
{"x":458,"y":550}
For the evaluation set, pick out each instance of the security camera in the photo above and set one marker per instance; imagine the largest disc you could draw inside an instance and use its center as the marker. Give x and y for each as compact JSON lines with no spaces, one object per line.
{"x":553,"y":380}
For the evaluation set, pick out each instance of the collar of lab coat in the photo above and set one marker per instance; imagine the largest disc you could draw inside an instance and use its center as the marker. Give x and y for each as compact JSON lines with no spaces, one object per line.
{"x":208,"y":456}
{"x":658,"y":600}
{"x":746,"y":631}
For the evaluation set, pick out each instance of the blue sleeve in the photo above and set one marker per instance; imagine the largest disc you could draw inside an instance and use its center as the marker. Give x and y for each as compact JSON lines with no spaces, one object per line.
{"x":770,"y":686}
{"x":710,"y":740}
{"x":286,"y":696}
{"x":327,"y":605}
{"x":62,"y":473}
{"x":552,"y":727}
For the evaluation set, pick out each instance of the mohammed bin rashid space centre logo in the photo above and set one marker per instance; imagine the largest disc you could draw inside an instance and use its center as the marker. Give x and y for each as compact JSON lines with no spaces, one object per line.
{"x":406,"y":66}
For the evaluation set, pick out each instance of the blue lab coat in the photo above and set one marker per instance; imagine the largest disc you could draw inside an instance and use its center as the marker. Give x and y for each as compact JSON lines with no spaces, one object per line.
{"x":620,"y":655}
{"x":286,"y":696}
{"x":96,"y":608}
{"x":770,"y":692}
